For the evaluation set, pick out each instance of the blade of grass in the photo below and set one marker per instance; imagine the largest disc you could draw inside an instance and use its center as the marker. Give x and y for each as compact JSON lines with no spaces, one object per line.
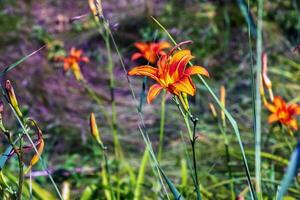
{"x":290,"y":173}
{"x":248,"y":17}
{"x":257,"y":112}
{"x":141,"y":175}
{"x":12,"y":66}
{"x":162,"y":125}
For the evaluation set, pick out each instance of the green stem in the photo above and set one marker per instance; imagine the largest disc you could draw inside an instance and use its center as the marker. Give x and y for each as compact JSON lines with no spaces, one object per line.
{"x":193,"y":143}
{"x":141,"y":175}
{"x":20,"y":159}
{"x":228,"y":159}
{"x":98,"y":100}
{"x":162,"y":125}
{"x":110,"y":194}
{"x":21,"y":169}
{"x":193,"y":138}
{"x":258,"y":102}
{"x":118,"y":150}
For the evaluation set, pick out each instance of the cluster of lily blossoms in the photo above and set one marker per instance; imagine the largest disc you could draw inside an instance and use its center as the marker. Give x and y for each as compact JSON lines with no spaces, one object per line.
{"x":170,"y":71}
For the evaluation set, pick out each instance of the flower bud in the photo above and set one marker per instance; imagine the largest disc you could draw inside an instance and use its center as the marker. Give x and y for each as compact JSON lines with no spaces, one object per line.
{"x":12,"y":98}
{"x":222,"y":100}
{"x":266,"y":81}
{"x":213,"y":110}
{"x":183,"y":101}
{"x":94,"y":128}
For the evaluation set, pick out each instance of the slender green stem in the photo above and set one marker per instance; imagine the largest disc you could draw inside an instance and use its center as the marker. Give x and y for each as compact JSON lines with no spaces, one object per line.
{"x":21,"y":169}
{"x":193,"y":139}
{"x":162,"y":125}
{"x":111,"y":194}
{"x":141,"y":175}
{"x":96,"y":98}
{"x":193,"y":143}
{"x":228,"y":159}
{"x":19,"y":154}
{"x":258,"y":102}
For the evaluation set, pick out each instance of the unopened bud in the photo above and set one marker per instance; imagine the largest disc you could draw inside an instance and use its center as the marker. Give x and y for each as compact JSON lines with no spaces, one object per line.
{"x":183,"y":101}
{"x":12,"y":97}
{"x":223,"y":102}
{"x":266,"y":81}
{"x":94,"y":128}
{"x":213,"y":110}
{"x":92,"y":7}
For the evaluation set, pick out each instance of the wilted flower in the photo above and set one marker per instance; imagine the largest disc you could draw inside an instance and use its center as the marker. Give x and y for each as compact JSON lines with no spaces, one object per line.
{"x":72,"y":62}
{"x":283,"y":113}
{"x":172,"y":74}
{"x":150,"y":51}
{"x":39,"y":145}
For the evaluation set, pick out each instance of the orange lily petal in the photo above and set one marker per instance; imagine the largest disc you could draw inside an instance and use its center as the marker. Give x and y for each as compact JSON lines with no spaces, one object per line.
{"x":279,"y":102}
{"x":185,"y":85}
{"x":141,"y":46}
{"x":196,"y":70}
{"x":179,"y":54}
{"x":270,"y":107}
{"x":150,"y":56}
{"x":293,"y":124}
{"x":153,"y":92}
{"x":144,"y":70}
{"x":85,"y":59}
{"x":294,"y":109}
{"x":272,"y":118}
{"x":162,"y":65}
{"x":164,"y":45}
{"x":136,"y":56}
{"x":177,"y":58}
{"x":177,"y":68}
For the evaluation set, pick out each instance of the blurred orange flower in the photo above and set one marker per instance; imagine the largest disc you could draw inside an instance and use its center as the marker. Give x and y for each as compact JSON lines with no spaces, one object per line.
{"x":72,"y":62}
{"x":283,"y":113}
{"x":150,"y":51}
{"x":172,"y":74}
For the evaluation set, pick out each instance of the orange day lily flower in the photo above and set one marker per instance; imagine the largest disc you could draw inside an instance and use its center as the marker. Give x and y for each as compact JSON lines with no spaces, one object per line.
{"x":283,"y":113}
{"x":150,"y":51}
{"x":172,"y":74}
{"x":72,"y":62}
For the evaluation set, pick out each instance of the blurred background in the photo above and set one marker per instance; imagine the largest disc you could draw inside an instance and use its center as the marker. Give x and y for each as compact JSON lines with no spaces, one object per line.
{"x":61,"y":104}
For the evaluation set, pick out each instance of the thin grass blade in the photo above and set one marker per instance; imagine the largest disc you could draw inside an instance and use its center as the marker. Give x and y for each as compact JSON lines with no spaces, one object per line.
{"x":12,"y":66}
{"x":290,"y":173}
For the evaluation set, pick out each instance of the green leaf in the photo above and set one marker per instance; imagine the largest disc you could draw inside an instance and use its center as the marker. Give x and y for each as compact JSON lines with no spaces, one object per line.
{"x":88,"y":192}
{"x":4,"y":157}
{"x":173,"y":189}
{"x":290,"y":173}
{"x":7,"y":69}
